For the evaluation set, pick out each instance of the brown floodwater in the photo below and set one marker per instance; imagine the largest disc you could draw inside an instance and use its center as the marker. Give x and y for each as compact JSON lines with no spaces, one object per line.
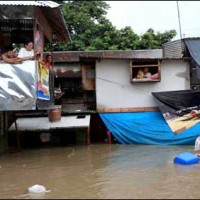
{"x":99,"y":171}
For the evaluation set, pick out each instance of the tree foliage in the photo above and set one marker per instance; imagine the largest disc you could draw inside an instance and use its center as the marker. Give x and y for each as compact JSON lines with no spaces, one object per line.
{"x":91,"y":30}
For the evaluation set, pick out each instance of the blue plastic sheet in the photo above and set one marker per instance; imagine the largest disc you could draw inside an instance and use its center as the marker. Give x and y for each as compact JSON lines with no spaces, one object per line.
{"x":146,"y":128}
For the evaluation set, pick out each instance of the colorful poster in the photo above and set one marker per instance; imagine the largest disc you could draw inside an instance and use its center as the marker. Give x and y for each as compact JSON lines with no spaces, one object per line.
{"x":181,"y":109}
{"x":43,"y":91}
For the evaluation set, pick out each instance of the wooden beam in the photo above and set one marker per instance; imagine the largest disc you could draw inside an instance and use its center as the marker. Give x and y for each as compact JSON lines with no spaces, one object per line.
{"x":130,"y":109}
{"x":47,"y":30}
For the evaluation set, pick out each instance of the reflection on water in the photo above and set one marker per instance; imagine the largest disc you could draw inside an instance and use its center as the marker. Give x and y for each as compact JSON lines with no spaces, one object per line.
{"x":100,"y":171}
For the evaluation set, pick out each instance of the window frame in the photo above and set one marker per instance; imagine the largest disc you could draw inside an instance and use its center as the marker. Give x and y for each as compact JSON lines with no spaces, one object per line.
{"x":135,"y":67}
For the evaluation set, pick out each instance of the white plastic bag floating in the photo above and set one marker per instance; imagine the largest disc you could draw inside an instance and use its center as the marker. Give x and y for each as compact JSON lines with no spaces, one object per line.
{"x":37,"y":189}
{"x":197,"y":144}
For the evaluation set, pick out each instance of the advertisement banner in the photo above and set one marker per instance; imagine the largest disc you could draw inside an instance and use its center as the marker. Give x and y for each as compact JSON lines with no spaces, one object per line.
{"x":181,"y":109}
{"x":43,"y":91}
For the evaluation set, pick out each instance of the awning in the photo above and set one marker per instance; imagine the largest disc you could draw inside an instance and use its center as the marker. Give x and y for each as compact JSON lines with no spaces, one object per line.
{"x":193,"y":46}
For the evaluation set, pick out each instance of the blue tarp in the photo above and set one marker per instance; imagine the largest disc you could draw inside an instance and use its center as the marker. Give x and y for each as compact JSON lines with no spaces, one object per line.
{"x":146,"y":128}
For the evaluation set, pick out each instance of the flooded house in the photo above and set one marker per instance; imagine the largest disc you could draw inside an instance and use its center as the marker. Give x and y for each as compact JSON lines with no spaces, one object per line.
{"x":42,"y":23}
{"x":97,"y":96}
{"x":105,"y":84}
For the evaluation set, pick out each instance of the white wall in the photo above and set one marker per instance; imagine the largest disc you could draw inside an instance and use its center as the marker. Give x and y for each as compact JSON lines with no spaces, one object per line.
{"x":114,"y":89}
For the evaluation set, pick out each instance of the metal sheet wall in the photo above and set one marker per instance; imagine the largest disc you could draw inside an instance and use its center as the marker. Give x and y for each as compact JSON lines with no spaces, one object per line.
{"x":18,"y":86}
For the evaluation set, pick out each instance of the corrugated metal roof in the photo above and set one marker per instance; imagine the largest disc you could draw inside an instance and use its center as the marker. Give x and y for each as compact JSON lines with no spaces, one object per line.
{"x":50,"y":10}
{"x":75,"y":56}
{"x":177,"y":49}
{"x":173,"y":49}
{"x":50,"y":4}
{"x":140,"y":54}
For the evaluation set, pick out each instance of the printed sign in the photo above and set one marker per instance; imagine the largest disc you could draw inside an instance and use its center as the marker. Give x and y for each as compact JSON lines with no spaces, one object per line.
{"x":181,"y":109}
{"x":43,"y":91}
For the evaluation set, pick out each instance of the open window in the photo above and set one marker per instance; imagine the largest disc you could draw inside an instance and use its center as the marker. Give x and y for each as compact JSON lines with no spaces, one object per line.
{"x":145,"y":71}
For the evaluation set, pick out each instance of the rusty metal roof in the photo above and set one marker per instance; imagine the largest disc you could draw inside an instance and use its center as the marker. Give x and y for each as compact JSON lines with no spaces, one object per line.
{"x":66,"y":56}
{"x":76,"y":56}
{"x":141,"y":54}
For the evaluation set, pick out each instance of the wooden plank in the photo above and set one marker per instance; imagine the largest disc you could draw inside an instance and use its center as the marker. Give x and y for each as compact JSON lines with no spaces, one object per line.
{"x":131,"y":109}
{"x":88,"y":82}
{"x":44,"y":24}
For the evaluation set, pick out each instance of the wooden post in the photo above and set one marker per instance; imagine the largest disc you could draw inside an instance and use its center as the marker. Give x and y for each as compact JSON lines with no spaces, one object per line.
{"x":88,"y":136}
{"x":109,"y":137}
{"x":17,"y":135}
{"x":3,"y":132}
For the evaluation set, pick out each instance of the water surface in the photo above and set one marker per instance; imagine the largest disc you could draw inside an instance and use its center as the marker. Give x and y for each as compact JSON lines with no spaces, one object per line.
{"x":100,"y":171}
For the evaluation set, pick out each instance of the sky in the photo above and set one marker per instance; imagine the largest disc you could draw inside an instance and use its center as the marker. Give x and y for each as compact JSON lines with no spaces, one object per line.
{"x":161,"y":16}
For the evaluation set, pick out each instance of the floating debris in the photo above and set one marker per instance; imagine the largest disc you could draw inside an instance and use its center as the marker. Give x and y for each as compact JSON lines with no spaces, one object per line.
{"x":37,"y":189}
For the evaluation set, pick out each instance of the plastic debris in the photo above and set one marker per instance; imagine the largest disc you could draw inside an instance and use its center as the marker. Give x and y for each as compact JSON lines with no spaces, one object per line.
{"x":197,"y":144}
{"x":37,"y":189}
{"x":186,"y":158}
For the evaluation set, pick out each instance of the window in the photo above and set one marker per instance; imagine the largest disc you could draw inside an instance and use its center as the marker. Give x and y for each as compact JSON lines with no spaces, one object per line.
{"x":145,"y":71}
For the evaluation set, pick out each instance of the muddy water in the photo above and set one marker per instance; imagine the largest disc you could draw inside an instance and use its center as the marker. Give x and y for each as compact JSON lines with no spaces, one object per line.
{"x":99,"y":171}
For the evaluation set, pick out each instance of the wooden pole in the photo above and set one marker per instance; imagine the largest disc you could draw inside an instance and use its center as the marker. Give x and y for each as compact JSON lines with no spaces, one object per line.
{"x":17,"y":135}
{"x":3,"y":132}
{"x":88,"y":136}
{"x":109,"y":137}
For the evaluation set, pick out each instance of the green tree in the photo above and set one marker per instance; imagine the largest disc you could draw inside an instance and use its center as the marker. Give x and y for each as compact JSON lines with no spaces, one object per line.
{"x":152,"y":40}
{"x":128,"y":40}
{"x":91,"y":30}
